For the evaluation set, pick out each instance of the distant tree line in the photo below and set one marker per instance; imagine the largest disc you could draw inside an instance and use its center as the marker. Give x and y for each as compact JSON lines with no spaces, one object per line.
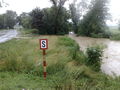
{"x":8,"y":20}
{"x":87,"y":19}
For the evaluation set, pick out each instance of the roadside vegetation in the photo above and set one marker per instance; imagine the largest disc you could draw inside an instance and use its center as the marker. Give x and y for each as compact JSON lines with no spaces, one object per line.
{"x":67,"y":67}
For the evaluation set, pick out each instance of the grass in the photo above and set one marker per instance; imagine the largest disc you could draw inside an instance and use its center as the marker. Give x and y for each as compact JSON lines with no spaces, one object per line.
{"x":115,"y":34}
{"x":28,"y":32}
{"x":23,"y":56}
{"x":21,"y":67}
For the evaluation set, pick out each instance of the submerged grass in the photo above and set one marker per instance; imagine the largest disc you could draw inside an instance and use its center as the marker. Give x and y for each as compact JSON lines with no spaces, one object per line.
{"x":21,"y":67}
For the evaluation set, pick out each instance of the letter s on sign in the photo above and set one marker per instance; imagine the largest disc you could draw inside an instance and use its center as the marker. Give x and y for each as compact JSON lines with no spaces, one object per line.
{"x":43,"y":44}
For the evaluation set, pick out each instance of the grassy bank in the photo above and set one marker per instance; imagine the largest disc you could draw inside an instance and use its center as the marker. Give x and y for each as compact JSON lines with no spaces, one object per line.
{"x":28,"y":32}
{"x":115,"y":34}
{"x":21,"y":67}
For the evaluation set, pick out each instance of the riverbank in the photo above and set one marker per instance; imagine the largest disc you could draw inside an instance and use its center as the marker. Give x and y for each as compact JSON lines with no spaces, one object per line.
{"x":21,"y":64}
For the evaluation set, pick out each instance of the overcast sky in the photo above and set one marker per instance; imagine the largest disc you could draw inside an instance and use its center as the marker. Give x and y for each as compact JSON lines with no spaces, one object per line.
{"x":27,"y":5}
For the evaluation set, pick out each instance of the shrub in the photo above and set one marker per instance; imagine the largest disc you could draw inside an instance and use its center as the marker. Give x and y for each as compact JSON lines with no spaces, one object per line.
{"x":94,"y":55}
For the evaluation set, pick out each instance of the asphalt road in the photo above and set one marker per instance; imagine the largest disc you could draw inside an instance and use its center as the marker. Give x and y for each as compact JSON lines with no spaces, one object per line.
{"x":6,"y":35}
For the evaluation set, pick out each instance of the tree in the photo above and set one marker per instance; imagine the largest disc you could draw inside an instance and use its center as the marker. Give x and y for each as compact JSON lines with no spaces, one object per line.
{"x":37,"y":20}
{"x":94,"y":22}
{"x":75,"y":17}
{"x":1,"y":21}
{"x":77,"y":12}
{"x":53,"y":20}
{"x":58,"y":12}
{"x":25,"y":20}
{"x":44,"y":21}
{"x":10,"y":18}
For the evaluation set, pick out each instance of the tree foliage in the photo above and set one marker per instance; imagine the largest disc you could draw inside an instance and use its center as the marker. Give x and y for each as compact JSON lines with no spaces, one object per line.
{"x":8,"y":20}
{"x":60,"y":16}
{"x":75,"y":17}
{"x":37,"y":20}
{"x":25,"y":20}
{"x":2,"y":21}
{"x":52,"y":20}
{"x":76,"y":12}
{"x":94,"y":22}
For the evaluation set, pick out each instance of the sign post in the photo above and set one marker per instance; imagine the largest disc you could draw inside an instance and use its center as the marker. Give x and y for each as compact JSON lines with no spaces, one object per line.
{"x":44,"y":46}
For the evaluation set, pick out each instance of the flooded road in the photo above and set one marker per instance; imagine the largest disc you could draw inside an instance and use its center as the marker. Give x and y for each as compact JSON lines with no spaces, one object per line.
{"x":6,"y":35}
{"x":111,"y":56}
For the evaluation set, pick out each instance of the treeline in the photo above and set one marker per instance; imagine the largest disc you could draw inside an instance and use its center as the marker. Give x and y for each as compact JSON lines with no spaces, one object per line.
{"x":8,"y":20}
{"x":83,"y":18}
{"x":53,"y":20}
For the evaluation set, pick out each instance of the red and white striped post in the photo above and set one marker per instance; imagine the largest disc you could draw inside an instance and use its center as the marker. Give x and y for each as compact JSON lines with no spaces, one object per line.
{"x":44,"y":64}
{"x":44,"y":46}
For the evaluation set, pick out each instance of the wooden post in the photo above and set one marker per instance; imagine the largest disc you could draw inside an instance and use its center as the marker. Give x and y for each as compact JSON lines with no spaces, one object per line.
{"x":44,"y":65}
{"x":43,"y":47}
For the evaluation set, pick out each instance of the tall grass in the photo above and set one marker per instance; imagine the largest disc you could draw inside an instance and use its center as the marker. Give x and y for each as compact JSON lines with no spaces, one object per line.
{"x":13,"y":57}
{"x":21,"y":65}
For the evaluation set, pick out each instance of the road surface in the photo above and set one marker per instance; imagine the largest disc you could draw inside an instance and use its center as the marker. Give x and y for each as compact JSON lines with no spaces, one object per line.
{"x":6,"y":35}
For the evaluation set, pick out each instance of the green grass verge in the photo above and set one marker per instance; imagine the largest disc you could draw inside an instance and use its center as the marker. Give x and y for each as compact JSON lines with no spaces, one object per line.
{"x":21,"y":67}
{"x":28,"y":32}
{"x":115,"y":34}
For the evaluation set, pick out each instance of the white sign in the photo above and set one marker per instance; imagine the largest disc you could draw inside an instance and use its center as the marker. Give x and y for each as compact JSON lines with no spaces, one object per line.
{"x":43,"y":44}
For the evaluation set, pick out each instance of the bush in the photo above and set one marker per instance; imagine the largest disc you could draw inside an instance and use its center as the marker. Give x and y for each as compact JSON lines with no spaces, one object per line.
{"x":94,"y":55}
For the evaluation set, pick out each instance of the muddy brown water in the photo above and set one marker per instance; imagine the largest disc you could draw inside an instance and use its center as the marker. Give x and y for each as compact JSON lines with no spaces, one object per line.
{"x":110,"y":64}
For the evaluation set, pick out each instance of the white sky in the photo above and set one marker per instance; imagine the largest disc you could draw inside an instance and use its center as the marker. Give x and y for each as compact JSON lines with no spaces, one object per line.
{"x":27,"y":5}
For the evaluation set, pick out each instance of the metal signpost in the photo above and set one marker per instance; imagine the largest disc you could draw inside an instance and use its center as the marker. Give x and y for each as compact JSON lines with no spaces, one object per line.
{"x":44,"y":46}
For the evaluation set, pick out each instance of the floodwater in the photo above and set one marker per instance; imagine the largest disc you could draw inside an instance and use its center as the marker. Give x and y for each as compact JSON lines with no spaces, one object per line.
{"x":111,"y":56}
{"x":6,"y":35}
